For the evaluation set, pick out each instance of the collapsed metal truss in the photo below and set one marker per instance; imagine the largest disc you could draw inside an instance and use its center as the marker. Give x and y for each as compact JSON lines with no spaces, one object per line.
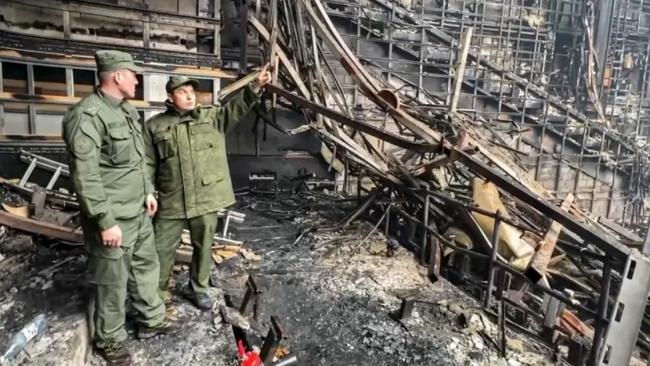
{"x":393,"y":151}
{"x":391,"y":118}
{"x":532,"y":78}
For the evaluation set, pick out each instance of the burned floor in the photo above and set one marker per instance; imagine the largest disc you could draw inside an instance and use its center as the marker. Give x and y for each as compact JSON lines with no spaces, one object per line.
{"x":335,"y":291}
{"x":438,"y":182}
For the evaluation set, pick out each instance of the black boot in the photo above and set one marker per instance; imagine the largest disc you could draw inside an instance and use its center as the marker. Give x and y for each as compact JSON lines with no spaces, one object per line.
{"x":115,"y":354}
{"x":166,"y":327}
{"x":200,"y":300}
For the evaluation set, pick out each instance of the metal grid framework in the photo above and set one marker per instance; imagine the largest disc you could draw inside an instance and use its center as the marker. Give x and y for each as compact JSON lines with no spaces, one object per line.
{"x":625,"y":79}
{"x":544,"y":42}
{"x":420,"y":210}
{"x":625,"y":83}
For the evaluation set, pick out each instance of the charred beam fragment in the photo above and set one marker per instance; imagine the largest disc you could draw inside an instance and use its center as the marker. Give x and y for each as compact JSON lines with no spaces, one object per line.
{"x":365,"y":127}
{"x":40,"y":228}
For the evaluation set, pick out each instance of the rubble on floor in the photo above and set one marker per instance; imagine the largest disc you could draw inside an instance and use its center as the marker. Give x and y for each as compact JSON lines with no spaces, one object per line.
{"x":443,"y":186}
{"x":436,"y":169}
{"x":333,"y":299}
{"x":43,"y":277}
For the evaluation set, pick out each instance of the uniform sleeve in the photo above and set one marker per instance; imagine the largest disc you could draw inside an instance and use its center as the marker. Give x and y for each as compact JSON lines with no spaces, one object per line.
{"x":150,"y":157}
{"x":236,"y":108}
{"x":83,"y":141}
{"x":135,"y":117}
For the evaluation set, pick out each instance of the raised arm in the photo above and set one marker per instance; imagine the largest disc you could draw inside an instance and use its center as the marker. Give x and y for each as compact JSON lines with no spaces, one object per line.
{"x":236,"y":108}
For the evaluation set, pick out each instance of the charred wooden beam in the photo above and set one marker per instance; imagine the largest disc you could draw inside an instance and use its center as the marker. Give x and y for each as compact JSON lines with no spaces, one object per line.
{"x":40,"y":228}
{"x":59,"y":46}
{"x":389,"y":137}
{"x":64,"y":100}
{"x":542,"y":257}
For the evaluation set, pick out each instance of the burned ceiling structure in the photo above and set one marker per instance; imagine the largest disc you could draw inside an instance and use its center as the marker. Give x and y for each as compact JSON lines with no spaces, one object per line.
{"x":503,"y":143}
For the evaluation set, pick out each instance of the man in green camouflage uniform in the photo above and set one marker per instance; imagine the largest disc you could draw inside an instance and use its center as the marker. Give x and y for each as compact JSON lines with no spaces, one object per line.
{"x":186,"y":155}
{"x":103,"y":135}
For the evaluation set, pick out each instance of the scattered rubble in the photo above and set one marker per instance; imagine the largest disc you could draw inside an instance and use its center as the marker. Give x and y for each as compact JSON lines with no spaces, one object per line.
{"x":332,"y":310}
{"x":439,"y":182}
{"x":433,"y":168}
{"x":18,"y":243}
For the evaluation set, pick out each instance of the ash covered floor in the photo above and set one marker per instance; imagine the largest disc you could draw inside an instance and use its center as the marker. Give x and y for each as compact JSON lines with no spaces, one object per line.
{"x":331,"y":292}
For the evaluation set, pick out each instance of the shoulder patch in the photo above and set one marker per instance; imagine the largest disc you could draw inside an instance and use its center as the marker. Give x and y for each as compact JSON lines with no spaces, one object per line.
{"x":82,"y":144}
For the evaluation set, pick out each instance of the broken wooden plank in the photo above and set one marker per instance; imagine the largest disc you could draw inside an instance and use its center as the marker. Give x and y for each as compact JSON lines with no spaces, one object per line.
{"x":626,"y":234}
{"x":537,"y":269}
{"x":235,"y":86}
{"x":574,"y":325}
{"x":557,"y":259}
{"x":20,"y":211}
{"x":41,"y":228}
{"x":460,"y":72}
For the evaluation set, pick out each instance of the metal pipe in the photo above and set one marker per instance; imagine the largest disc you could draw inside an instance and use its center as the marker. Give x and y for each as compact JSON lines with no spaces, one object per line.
{"x":482,"y":211}
{"x":504,"y":266}
{"x":502,"y":327}
{"x":601,"y":320}
{"x":425,"y":221}
{"x":493,"y":259}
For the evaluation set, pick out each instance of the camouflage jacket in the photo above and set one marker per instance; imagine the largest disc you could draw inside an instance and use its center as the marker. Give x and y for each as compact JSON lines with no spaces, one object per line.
{"x":187,"y":159}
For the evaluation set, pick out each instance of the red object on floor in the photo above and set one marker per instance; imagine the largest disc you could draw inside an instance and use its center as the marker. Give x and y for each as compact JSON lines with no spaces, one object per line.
{"x":250,"y":358}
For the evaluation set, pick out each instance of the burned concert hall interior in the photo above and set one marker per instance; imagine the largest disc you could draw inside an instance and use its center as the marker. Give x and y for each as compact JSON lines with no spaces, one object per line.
{"x":325,"y":182}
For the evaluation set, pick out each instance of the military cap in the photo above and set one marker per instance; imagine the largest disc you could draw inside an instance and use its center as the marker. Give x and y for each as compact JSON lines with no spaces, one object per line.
{"x":176,"y":81}
{"x":111,"y":60}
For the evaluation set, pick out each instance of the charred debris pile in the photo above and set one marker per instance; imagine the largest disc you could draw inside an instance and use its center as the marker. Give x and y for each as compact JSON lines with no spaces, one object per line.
{"x":438,"y":180}
{"x":446,"y":185}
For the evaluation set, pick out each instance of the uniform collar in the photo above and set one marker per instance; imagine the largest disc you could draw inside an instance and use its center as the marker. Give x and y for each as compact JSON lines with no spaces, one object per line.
{"x":110,"y":100}
{"x":183,"y":115}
